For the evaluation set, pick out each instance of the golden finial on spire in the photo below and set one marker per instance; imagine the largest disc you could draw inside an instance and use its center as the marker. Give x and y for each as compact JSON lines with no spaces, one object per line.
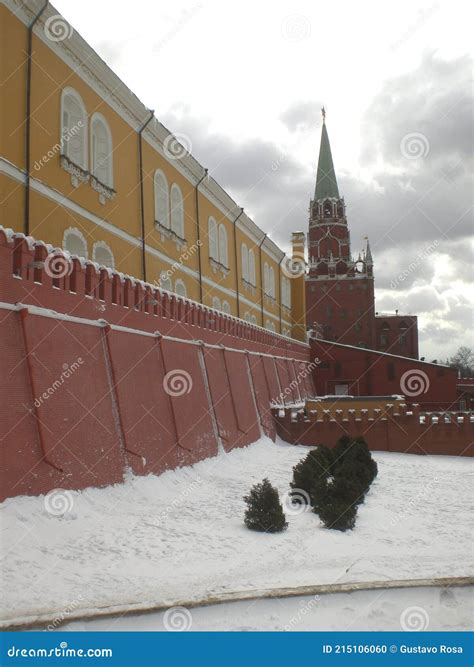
{"x":323,"y":111}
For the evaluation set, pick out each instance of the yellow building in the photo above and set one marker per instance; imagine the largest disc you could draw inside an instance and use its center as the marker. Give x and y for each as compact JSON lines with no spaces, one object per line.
{"x":84,"y":165}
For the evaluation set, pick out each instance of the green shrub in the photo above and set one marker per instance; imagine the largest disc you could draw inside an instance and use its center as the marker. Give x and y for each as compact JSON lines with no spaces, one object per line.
{"x":264,"y":511}
{"x":314,"y":469}
{"x":337,"y":509}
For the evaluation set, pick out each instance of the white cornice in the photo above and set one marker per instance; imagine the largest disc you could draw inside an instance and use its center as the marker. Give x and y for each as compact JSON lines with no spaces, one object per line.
{"x":88,"y":65}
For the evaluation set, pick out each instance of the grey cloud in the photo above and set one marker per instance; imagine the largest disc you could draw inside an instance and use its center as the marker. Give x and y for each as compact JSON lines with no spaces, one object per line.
{"x":302,"y":116}
{"x":411,"y":203}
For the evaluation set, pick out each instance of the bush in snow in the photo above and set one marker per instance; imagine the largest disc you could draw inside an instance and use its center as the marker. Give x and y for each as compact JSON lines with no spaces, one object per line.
{"x":353,"y":461}
{"x":335,"y":504}
{"x":335,"y":498}
{"x":312,"y":471}
{"x":264,"y":511}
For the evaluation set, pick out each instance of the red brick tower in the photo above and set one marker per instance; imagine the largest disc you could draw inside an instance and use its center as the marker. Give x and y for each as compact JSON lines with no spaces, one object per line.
{"x":339,"y":288}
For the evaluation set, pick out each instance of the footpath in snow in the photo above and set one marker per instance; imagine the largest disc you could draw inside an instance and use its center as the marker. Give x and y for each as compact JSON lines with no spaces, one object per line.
{"x":433,"y":609}
{"x":180,"y":536}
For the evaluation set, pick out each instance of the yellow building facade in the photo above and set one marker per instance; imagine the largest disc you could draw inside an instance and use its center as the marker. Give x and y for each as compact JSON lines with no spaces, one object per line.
{"x":85,"y":166}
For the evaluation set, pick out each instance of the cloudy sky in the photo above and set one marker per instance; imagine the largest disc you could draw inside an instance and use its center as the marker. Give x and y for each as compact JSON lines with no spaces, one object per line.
{"x":245,"y":80}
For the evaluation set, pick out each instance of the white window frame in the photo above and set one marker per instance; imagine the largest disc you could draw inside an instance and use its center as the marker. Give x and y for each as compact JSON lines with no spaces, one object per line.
{"x":102,"y":245}
{"x":177,"y":212}
{"x":226,"y":307}
{"x":73,"y":231}
{"x":164,"y":195}
{"x":213,"y":238}
{"x":223,"y":247}
{"x":244,"y":254}
{"x":179,"y":285}
{"x":251,"y":270}
{"x":109,"y":181}
{"x":83,"y":163}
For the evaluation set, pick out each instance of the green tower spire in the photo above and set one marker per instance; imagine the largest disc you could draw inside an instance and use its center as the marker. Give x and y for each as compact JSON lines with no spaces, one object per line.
{"x":326,"y":184}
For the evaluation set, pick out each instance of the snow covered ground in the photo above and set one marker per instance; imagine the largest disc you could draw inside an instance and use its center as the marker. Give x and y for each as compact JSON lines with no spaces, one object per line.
{"x":392,"y":610}
{"x":180,"y":536}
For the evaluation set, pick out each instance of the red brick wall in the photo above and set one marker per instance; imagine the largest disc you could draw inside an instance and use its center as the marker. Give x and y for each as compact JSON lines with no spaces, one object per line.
{"x":397,"y":334}
{"x":371,"y":373}
{"x":89,"y":389}
{"x":392,"y":432}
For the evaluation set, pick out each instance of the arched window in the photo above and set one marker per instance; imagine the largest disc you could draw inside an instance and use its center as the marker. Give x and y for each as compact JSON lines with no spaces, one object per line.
{"x":266,"y":278}
{"x":74,"y":242}
{"x":251,"y":277}
{"x":271,"y":278}
{"x":101,"y":151}
{"x":213,"y":244}
{"x":269,"y":325}
{"x":285,"y":292}
{"x":253,"y":319}
{"x":226,"y":307}
{"x":162,"y":200}
{"x":74,"y":128}
{"x":180,"y":288}
{"x":216,"y":303}
{"x":165,"y":282}
{"x":223,"y":254}
{"x":102,"y":254}
{"x":177,"y":211}
{"x":245,"y":262}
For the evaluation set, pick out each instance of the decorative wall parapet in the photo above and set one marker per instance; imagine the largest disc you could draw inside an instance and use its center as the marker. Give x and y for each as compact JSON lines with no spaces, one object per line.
{"x":67,"y":283}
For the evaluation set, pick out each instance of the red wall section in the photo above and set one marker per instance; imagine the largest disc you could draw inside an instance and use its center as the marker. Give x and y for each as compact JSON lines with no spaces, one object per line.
{"x":242,"y":394}
{"x":371,"y":373}
{"x":145,"y":410}
{"x":74,"y":408}
{"x":262,"y":393}
{"x":187,"y":387}
{"x":403,"y":432}
{"x":90,"y":389}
